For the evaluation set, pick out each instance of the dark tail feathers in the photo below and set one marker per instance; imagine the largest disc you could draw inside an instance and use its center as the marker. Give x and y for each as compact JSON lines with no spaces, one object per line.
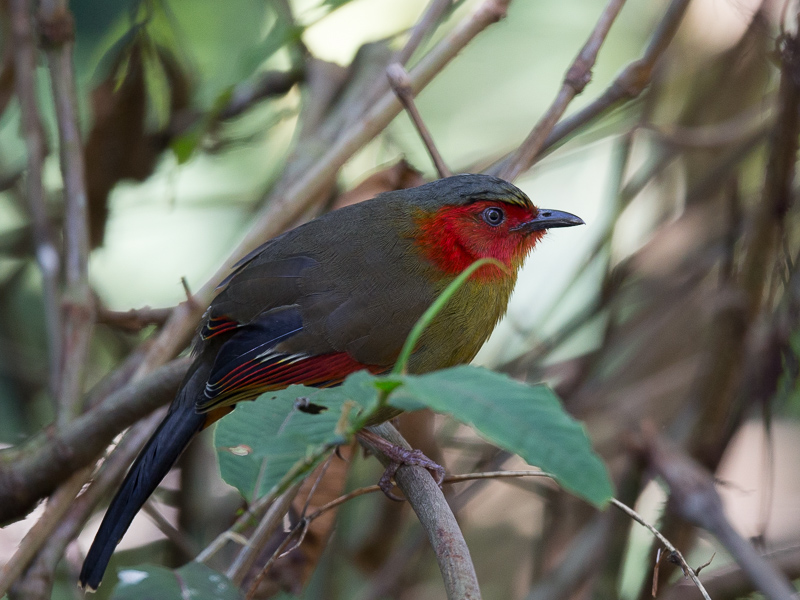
{"x":151,"y":466}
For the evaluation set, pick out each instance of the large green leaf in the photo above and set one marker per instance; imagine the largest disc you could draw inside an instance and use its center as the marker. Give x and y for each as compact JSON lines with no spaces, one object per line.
{"x":528,"y":421}
{"x":263,"y":441}
{"x":193,"y":580}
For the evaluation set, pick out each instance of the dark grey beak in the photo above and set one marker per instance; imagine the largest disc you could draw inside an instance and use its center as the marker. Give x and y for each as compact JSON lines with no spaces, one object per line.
{"x":550,"y":219}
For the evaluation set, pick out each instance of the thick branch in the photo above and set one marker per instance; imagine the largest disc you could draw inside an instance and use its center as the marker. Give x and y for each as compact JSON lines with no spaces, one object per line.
{"x":439,"y":523}
{"x":33,"y":470}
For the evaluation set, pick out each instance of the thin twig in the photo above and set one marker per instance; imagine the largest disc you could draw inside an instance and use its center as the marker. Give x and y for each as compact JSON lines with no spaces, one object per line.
{"x":423,"y":29}
{"x":629,"y":84}
{"x":398,"y":79}
{"x":578,"y":76}
{"x":684,"y":565}
{"x":449,"y":479}
{"x":261,"y":536}
{"x":46,"y":254}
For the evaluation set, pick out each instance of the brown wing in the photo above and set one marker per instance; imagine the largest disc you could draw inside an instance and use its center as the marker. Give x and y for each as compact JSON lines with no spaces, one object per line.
{"x":319,"y":302}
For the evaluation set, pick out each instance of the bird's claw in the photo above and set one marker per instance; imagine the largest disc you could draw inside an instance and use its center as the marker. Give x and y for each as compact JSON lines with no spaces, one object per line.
{"x":400,"y":456}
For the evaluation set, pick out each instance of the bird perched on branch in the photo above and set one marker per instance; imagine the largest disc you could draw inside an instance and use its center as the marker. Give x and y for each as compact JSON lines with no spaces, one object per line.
{"x":337,"y":295}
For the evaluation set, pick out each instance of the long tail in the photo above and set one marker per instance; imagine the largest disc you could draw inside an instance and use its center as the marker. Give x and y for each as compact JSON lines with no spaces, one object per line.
{"x":151,"y":466}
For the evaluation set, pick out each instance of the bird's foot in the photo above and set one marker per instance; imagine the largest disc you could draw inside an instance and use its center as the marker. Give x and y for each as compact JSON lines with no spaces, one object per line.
{"x":400,"y":456}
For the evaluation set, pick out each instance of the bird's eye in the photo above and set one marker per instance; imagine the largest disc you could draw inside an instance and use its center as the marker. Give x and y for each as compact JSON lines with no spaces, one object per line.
{"x":493,"y":216}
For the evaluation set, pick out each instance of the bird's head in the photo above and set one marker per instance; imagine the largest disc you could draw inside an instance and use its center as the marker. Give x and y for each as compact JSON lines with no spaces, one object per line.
{"x":464,"y":218}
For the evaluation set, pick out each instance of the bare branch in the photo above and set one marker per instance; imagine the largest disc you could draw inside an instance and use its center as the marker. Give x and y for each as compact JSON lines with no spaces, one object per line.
{"x":576,"y":79}
{"x":423,"y":29}
{"x":46,"y":254}
{"x":57,"y":30}
{"x":437,"y":519}
{"x":37,"y":582}
{"x":629,"y":84}
{"x":273,"y":517}
{"x":31,"y":471}
{"x":398,"y":79}
{"x":694,"y":497}
{"x":686,"y":568}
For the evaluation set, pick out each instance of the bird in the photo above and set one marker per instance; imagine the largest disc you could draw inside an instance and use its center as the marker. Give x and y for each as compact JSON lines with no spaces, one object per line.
{"x":336,"y":295}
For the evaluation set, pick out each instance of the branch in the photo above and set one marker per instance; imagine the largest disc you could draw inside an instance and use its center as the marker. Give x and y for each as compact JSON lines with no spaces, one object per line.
{"x":577,"y":78}
{"x":37,"y":581}
{"x":46,"y":254}
{"x":133,"y":320}
{"x":629,"y":84}
{"x":57,"y":506}
{"x":694,"y":497}
{"x":731,"y":581}
{"x":262,"y":535}
{"x":398,"y":79}
{"x":33,"y":470}
{"x":436,"y":517}
{"x":57,"y":31}
{"x":423,"y":29}
{"x":674,"y":551}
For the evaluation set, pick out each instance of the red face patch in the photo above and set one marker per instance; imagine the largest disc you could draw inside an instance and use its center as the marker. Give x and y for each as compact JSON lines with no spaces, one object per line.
{"x":455,"y":237}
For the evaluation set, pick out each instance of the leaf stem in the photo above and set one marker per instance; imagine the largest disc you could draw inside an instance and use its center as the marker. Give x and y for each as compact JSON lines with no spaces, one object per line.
{"x":433,"y":310}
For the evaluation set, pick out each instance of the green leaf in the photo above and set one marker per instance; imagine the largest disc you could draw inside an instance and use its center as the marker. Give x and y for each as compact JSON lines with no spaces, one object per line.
{"x":272,"y":441}
{"x":528,"y":421}
{"x":193,"y":580}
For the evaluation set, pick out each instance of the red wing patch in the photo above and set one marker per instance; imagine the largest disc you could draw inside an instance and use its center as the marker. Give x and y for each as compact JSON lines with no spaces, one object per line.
{"x":248,"y":379}
{"x":216,"y":325}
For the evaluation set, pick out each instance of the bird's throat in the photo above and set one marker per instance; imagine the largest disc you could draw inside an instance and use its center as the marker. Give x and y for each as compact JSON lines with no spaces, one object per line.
{"x":452,"y":243}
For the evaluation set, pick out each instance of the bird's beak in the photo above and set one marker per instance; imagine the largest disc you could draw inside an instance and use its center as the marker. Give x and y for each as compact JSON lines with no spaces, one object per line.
{"x":550,"y":219}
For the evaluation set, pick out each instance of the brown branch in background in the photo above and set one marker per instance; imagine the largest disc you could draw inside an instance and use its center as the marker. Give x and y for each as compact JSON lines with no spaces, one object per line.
{"x":268,"y":85}
{"x":133,"y":320}
{"x":34,"y":469}
{"x":423,"y":29}
{"x":629,"y":84}
{"x":398,"y":79}
{"x":693,"y":496}
{"x":261,"y":536}
{"x":57,"y":506}
{"x":56,"y":28}
{"x":577,"y":78}
{"x":46,"y":253}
